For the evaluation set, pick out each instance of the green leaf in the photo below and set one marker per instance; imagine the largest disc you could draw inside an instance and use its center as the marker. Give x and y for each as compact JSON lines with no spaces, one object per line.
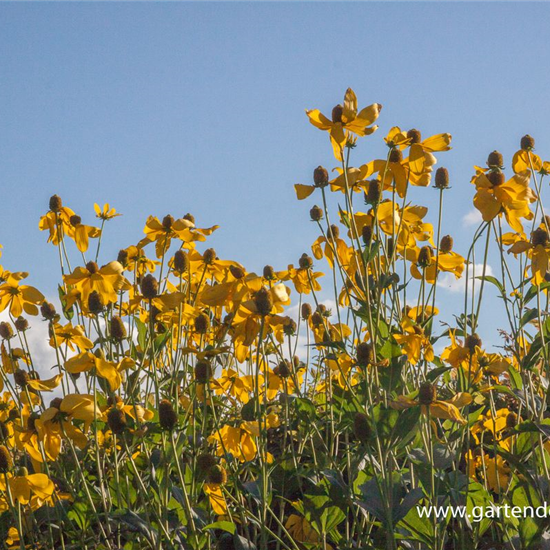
{"x":223,"y":525}
{"x":68,"y":312}
{"x":528,"y":316}
{"x":494,"y":281}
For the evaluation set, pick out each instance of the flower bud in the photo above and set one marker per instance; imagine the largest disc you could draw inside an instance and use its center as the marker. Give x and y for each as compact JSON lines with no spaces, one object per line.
{"x":116,"y":420}
{"x":364,"y":354}
{"x":209,"y":256}
{"x":395,"y":155}
{"x":337,"y":113}
{"x":6,"y":461}
{"x":203,"y":372}
{"x":149,"y":287}
{"x":117,"y":329}
{"x":320,"y":176}
{"x":283,"y":369}
{"x":167,"y":222}
{"x":472,"y":341}
{"x":95,"y":304}
{"x":495,"y":160}
{"x":167,"y":415}
{"x":316,"y":213}
{"x":55,"y":203}
{"x":21,"y":324}
{"x":427,"y":393}
{"x":216,"y":475}
{"x":237,"y":272}
{"x":414,"y":135}
{"x":202,"y":323}
{"x":361,"y":427}
{"x":527,"y":143}
{"x":442,"y":178}
{"x":269,"y":272}
{"x":496,"y":178}
{"x":539,"y":237}
{"x":425,"y":257}
{"x":6,"y":332}
{"x":374,"y":192}
{"x":305,"y":262}
{"x":263,"y":300}
{"x":446,"y":244}
{"x":306,"y":311}
{"x":181,"y":261}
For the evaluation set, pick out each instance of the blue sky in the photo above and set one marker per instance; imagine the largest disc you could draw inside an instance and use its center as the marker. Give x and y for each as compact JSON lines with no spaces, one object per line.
{"x":163,"y":108}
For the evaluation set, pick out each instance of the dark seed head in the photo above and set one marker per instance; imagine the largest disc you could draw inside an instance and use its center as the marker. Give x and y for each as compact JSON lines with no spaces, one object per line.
{"x":55,"y":203}
{"x":21,"y":324}
{"x":320,"y":176}
{"x":527,"y":143}
{"x":539,"y":236}
{"x":269,"y":272}
{"x":149,"y":287}
{"x":209,"y":256}
{"x":118,"y":330}
{"x":6,"y":461}
{"x":361,"y":427}
{"x":306,"y":311}
{"x":316,"y":213}
{"x":442,"y":178}
{"x":92,"y":267}
{"x":414,"y":135}
{"x":496,"y":178}
{"x":364,"y":354}
{"x":205,"y":461}
{"x":263,"y":300}
{"x":446,"y":244}
{"x":216,"y":475}
{"x":427,"y":393}
{"x":425,"y":256}
{"x":305,"y":262}
{"x":237,"y":272}
{"x":167,"y":222}
{"x":511,"y":420}
{"x":202,"y":323}
{"x":21,"y":377}
{"x":374,"y":192}
{"x":495,"y":160}
{"x":337,"y":113}
{"x":472,"y":341}
{"x":167,"y":415}
{"x":95,"y":304}
{"x":283,"y":369}
{"x":122,"y":257}
{"x":6,"y":332}
{"x":181,"y":261}
{"x":203,"y":372}
{"x":396,"y":155}
{"x":116,"y":420}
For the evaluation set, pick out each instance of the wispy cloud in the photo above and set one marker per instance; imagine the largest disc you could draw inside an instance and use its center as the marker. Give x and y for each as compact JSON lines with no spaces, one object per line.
{"x":473,"y":217}
{"x":449,"y":282}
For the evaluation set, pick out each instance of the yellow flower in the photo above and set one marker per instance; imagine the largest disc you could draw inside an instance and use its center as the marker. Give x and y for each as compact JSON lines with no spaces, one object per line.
{"x":538,"y":250}
{"x":19,"y":297}
{"x":237,"y":440}
{"x":414,"y":341}
{"x":494,"y":196}
{"x":105,"y":213}
{"x":345,"y":119}
{"x":23,"y":488}
{"x":70,"y":336}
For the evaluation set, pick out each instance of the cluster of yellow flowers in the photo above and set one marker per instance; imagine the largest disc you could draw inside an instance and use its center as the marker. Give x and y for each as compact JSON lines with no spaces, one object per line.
{"x":190,"y":409}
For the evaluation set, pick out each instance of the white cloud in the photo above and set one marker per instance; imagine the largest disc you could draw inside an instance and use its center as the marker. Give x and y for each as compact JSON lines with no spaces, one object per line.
{"x":449,"y":282}
{"x":473,"y":217}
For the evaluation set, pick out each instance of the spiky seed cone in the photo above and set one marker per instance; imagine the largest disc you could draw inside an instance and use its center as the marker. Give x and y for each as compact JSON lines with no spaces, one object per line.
{"x":202,"y":323}
{"x":205,"y":462}
{"x":289,"y":326}
{"x":21,"y":377}
{"x":539,"y":237}
{"x":55,"y":203}
{"x":6,"y":461}
{"x":425,"y":256}
{"x":263,"y":300}
{"x":316,"y":213}
{"x":6,"y":332}
{"x":95,"y":304}
{"x":442,"y":178}
{"x":361,"y":427}
{"x":269,"y":272}
{"x":122,"y":257}
{"x":167,"y":415}
{"x":118,"y":330}
{"x":306,"y":311}
{"x":495,"y":160}
{"x":320,"y":176}
{"x":414,"y":135}
{"x":116,"y":420}
{"x":217,"y":475}
{"x":283,"y":369}
{"x":55,"y":403}
{"x":48,"y":311}
{"x":92,"y":267}
{"x":181,"y":261}
{"x":203,"y":372}
{"x":496,"y":178}
{"x":149,"y":287}
{"x":337,"y":113}
{"x":75,"y":220}
{"x":374,"y":192}
{"x":167,"y":222}
{"x":21,"y":324}
{"x":209,"y":256}
{"x":446,"y":244}
{"x":427,"y":393}
{"x":472,"y":341}
{"x":364,"y":354}
{"x":527,"y":143}
{"x":366,"y":233}
{"x":237,"y":272}
{"x":511,"y":420}
{"x":396,"y":156}
{"x":305,"y":262}
{"x":333,"y":232}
